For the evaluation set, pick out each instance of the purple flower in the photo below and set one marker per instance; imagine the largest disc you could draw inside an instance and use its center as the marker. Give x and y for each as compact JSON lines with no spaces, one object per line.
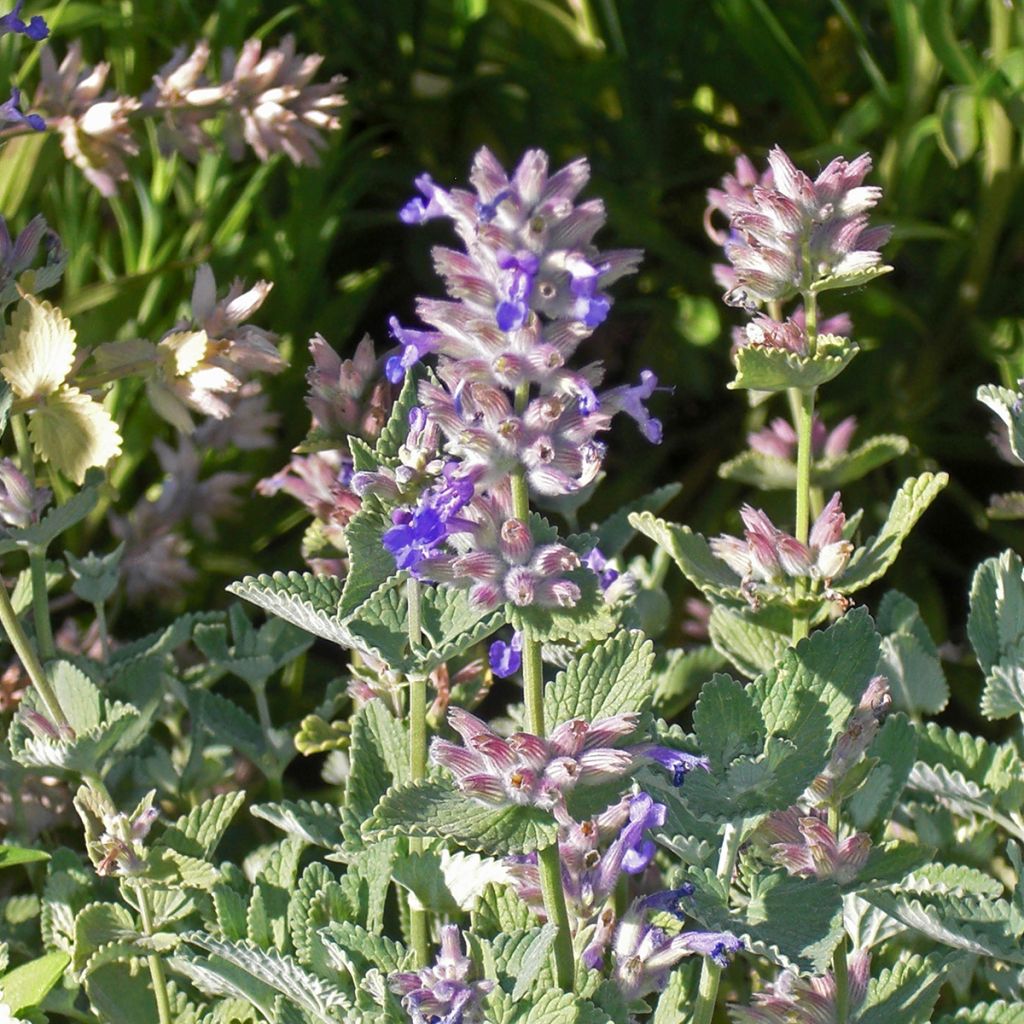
{"x":520,"y":270}
{"x":506,"y":658}
{"x":805,"y":846}
{"x":598,"y":565}
{"x":443,"y":994}
{"x":414,"y":536}
{"x":10,"y":114}
{"x":526,"y":769}
{"x":36,"y":29}
{"x":630,"y":401}
{"x":421,"y":209}
{"x":21,"y":503}
{"x":779,"y":439}
{"x":678,"y":762}
{"x":415,"y":345}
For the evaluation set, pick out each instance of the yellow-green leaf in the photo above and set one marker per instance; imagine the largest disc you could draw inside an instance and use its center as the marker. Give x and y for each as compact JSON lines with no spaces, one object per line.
{"x":74,"y":432}
{"x":38,"y":349}
{"x":187,"y":350}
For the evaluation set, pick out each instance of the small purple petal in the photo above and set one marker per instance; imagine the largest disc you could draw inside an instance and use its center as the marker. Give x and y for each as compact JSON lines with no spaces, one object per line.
{"x":506,"y":658}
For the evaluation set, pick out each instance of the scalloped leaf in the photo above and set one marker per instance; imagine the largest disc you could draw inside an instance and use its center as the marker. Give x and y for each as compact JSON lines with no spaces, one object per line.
{"x":310,"y":602}
{"x":906,"y":992}
{"x":198,"y":833}
{"x":1006,"y":404}
{"x":616,"y":531}
{"x":1006,"y":507}
{"x":894,"y":750}
{"x":606,"y":679}
{"x":769,"y":368}
{"x":996,"y":629}
{"x":379,"y":757}
{"x":317,"y":823}
{"x":691,"y":552}
{"x":435,"y":810}
{"x":73,"y":432}
{"x":57,"y":520}
{"x":753,"y":642}
{"x":795,"y":922}
{"x":999,"y":1012}
{"x":726,"y":722}
{"x":851,"y":279}
{"x":37,"y":349}
{"x":871,"y":561}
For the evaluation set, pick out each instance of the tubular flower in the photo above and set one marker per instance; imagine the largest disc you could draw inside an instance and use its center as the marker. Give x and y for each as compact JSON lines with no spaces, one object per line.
{"x":786,"y":235}
{"x":779,"y":439}
{"x":11,"y":113}
{"x":796,"y":1000}
{"x":643,"y":954}
{"x":419,"y":464}
{"x":495,"y":555}
{"x":346,"y":396}
{"x":443,"y":994}
{"x":767,"y":558}
{"x":529,"y":245}
{"x":526,"y":769}
{"x":94,"y":126}
{"x":594,"y":854}
{"x":21,"y":502}
{"x":805,"y":845}
{"x":35,"y":28}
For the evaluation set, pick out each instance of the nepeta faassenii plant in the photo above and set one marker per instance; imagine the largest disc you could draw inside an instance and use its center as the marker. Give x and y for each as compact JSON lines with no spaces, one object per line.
{"x":810,"y":850}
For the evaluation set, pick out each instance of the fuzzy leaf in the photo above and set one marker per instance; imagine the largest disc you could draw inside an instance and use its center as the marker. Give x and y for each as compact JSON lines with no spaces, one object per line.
{"x":74,"y":432}
{"x":871,"y":561}
{"x":38,"y":349}
{"x":894,"y":749}
{"x":996,"y":629}
{"x":500,"y":911}
{"x":26,"y":986}
{"x":312,"y":603}
{"x":533,"y":961}
{"x":606,"y":679}
{"x":752,"y":642}
{"x":370,"y":563}
{"x":396,"y":430}
{"x":317,"y":736}
{"x":197,"y":833}
{"x":767,"y":368}
{"x":1006,"y":404}
{"x":316,"y":823}
{"x":999,"y":1012}
{"x":378,"y":756}
{"x":438,"y":811}
{"x":616,"y":531}
{"x":97,"y":925}
{"x":726,"y":722}
{"x":915,"y":675}
{"x":12,"y":855}
{"x":691,"y":553}
{"x":852,"y":279}
{"x":58,"y":519}
{"x":228,"y":723}
{"x":906,"y":992}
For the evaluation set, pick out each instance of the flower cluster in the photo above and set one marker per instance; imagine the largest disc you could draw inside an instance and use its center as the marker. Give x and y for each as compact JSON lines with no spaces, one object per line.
{"x":805,"y":845}
{"x":265,"y":100}
{"x":530,"y":770}
{"x":767,"y":559}
{"x":796,"y":1000}
{"x":21,"y":502}
{"x":17,"y":256}
{"x":779,"y":439}
{"x":594,"y":855}
{"x":443,"y":994}
{"x":787,"y":232}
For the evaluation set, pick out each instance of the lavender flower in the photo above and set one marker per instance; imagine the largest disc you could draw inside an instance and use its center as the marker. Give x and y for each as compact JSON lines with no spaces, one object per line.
{"x":644,"y":954}
{"x":10,"y":113}
{"x":506,"y":659}
{"x":419,"y":468}
{"x":796,"y":1000}
{"x":590,"y":874}
{"x":21,"y":503}
{"x":36,"y":28}
{"x":779,"y":439}
{"x":346,"y":396}
{"x":443,"y":994}
{"x":678,"y":762}
{"x":787,"y":236}
{"x":529,"y":770}
{"x":805,"y":846}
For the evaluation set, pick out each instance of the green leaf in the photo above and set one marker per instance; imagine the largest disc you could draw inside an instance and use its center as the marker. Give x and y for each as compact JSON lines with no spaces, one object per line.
{"x":768,"y":368}
{"x":616,"y":532}
{"x":58,"y":519}
{"x":838,"y":470}
{"x":37,"y":349}
{"x":226,"y":722}
{"x":727,"y":723}
{"x":26,"y":986}
{"x":396,"y":430}
{"x":906,"y":992}
{"x":379,"y":757}
{"x":753,"y":642}
{"x":606,"y":679}
{"x":851,"y":279}
{"x":996,"y":629}
{"x":533,"y":960}
{"x":957,"y":110}
{"x":318,"y":736}
{"x":438,"y":811}
{"x":314,"y":822}
{"x":312,"y":603}
{"x":73,"y":432}
{"x":97,"y":925}
{"x":386,"y":954}
{"x":12,"y":855}
{"x":910,"y":659}
{"x":795,"y":922}
{"x":1006,"y":404}
{"x":871,"y":561}
{"x":998,"y":1012}
{"x":691,"y":553}
{"x":370,"y":563}
{"x":198,"y":833}
{"x":119,"y":995}
{"x":894,"y":750}
{"x":765,"y":472}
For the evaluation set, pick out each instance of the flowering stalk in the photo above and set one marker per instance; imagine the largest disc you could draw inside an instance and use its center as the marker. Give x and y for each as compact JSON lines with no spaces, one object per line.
{"x":710,"y":972}
{"x":418,"y":923}
{"x":156,"y":966}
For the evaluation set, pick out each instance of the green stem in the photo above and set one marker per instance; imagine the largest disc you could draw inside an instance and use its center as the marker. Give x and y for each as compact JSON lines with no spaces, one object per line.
{"x":710,"y":973}
{"x":41,"y":604}
{"x":533,"y":685}
{"x":156,"y":967}
{"x":550,"y":865}
{"x":842,"y":975}
{"x":27,"y":654}
{"x":419,"y":923}
{"x":101,"y":625}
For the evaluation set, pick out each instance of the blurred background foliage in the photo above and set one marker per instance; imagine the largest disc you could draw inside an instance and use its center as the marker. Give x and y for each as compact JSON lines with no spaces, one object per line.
{"x":661,"y":95}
